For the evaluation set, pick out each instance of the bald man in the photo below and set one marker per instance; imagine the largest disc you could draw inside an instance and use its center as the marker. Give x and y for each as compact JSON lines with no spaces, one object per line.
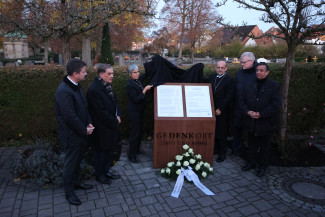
{"x":223,"y":94}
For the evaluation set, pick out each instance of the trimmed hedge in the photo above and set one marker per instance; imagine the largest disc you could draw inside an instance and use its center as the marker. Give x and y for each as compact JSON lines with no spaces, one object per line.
{"x":27,"y":99}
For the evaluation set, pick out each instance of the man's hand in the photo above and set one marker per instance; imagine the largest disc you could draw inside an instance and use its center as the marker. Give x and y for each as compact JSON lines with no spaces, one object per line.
{"x":218,"y":112}
{"x":255,"y":115}
{"x":119,"y":119}
{"x":90,"y":129}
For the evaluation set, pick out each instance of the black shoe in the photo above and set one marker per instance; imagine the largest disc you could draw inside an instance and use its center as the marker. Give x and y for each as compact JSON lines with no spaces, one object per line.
{"x":84,"y":186}
{"x":260,"y":172}
{"x":248,"y":166}
{"x":112,"y":175}
{"x":134,"y":160}
{"x":103,"y":180}
{"x":221,"y":158}
{"x":72,"y":199}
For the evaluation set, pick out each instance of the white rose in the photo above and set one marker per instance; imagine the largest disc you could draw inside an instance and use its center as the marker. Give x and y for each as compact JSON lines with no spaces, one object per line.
{"x":207,"y":165}
{"x":210,"y":169}
{"x":185,"y":163}
{"x":178,"y":172}
{"x":186,"y":147}
{"x":192,"y":161}
{"x":201,"y":163}
{"x":162,"y":171}
{"x":204,"y":174}
{"x":168,"y":170}
{"x":190,"y":150}
{"x":179,"y":157}
{"x":187,"y":154}
{"x":170,"y":164}
{"x":197,"y":167}
{"x":198,"y":156}
{"x":178,"y":163}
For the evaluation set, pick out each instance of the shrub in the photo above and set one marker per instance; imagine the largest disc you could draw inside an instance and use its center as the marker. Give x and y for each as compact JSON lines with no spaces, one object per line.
{"x":27,"y":99}
{"x":43,"y":164}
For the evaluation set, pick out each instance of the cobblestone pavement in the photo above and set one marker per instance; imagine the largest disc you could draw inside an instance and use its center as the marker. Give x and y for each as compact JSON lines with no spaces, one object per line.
{"x":143,"y":192}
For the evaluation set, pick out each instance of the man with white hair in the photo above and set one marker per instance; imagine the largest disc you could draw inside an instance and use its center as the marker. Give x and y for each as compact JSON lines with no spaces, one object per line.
{"x":245,"y":75}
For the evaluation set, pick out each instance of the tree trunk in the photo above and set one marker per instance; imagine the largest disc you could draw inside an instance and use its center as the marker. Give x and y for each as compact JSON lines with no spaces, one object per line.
{"x":99,"y":39}
{"x":46,"y":52}
{"x":66,"y":50}
{"x":180,"y":47}
{"x":86,"y":50}
{"x":285,"y":91}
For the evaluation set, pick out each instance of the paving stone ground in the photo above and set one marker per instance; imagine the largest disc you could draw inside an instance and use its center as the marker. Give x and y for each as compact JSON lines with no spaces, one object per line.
{"x":143,"y":192}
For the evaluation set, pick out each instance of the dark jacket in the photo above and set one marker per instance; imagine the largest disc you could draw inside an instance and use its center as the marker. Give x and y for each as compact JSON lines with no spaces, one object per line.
{"x":136,"y":99}
{"x":71,"y":114}
{"x":243,"y":76}
{"x":223,"y":94}
{"x":223,"y":91}
{"x":267,"y":102}
{"x":103,"y":111}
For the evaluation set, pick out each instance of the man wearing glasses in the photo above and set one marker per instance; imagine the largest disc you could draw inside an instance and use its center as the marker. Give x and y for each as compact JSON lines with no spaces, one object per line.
{"x":243,"y":76}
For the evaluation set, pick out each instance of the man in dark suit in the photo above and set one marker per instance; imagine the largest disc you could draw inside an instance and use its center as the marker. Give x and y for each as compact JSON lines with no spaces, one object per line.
{"x":260,"y":104}
{"x":223,"y":94}
{"x":74,"y":124}
{"x":105,"y":114}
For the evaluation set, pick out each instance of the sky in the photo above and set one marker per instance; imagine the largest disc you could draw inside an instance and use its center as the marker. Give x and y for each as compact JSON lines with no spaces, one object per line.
{"x":234,"y":15}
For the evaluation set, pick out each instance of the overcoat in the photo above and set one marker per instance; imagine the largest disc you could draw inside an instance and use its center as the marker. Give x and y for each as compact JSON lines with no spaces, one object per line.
{"x":103,"y":109}
{"x":267,"y":102}
{"x":71,"y":114}
{"x":243,"y":76}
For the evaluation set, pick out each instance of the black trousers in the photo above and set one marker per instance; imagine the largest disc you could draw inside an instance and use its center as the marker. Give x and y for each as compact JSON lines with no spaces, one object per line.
{"x":220,"y":141}
{"x":102,"y":162}
{"x":71,"y":169}
{"x":259,"y":148}
{"x":135,"y":124}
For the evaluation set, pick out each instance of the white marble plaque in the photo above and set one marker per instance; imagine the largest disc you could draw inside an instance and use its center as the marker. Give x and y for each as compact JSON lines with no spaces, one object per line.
{"x":197,"y":99}
{"x":170,"y":101}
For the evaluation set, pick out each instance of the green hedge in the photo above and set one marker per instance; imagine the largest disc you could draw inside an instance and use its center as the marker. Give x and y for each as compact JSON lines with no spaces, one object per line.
{"x":27,"y":99}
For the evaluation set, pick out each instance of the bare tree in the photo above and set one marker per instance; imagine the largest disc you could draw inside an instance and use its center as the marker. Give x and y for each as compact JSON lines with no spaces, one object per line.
{"x":176,"y":12}
{"x":64,"y":19}
{"x":200,"y":21}
{"x":297,"y":20}
{"x":161,"y":39}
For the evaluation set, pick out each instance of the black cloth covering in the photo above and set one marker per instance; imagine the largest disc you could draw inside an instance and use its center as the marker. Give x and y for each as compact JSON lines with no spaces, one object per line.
{"x":161,"y":71}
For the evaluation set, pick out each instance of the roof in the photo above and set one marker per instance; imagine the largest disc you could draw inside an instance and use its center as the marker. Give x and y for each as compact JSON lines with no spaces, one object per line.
{"x":239,"y":33}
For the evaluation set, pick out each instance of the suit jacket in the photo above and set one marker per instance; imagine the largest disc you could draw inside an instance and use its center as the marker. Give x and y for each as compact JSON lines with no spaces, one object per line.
{"x":103,"y":111}
{"x":267,"y":102}
{"x":71,"y":114}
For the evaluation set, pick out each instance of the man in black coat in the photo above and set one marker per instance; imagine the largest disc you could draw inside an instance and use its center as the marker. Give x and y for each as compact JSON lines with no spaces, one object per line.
{"x":260,"y":104}
{"x":74,"y":124}
{"x":136,"y":105}
{"x":243,"y":76}
{"x":223,"y":94}
{"x":105,"y":114}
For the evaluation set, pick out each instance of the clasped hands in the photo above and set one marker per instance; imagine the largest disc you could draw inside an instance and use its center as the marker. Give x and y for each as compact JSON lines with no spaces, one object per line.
{"x":253,"y":114}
